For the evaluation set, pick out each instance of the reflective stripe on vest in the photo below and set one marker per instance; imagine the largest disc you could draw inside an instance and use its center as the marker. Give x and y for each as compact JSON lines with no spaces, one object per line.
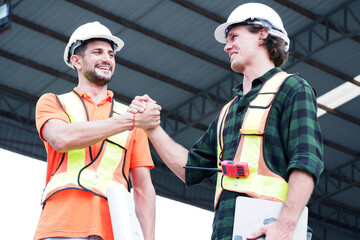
{"x":262,"y":182}
{"x":77,"y":172}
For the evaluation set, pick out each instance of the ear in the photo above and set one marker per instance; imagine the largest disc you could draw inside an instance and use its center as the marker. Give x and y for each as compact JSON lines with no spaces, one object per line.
{"x":263,"y":34}
{"x":76,"y":60}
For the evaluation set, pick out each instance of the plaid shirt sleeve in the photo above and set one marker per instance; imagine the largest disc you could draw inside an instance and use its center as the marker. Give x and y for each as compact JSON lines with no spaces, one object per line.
{"x":202,"y":154}
{"x":303,"y":140}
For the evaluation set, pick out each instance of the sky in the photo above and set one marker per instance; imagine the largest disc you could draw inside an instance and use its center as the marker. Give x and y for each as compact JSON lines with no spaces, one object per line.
{"x":22,"y":181}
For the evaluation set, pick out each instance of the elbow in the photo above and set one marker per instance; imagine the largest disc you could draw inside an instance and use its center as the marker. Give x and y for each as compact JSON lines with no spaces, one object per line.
{"x":59,"y":144}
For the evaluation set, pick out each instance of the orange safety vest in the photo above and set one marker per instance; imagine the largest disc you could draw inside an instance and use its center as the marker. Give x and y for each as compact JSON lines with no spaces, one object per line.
{"x":262,"y":182}
{"x":106,"y":170}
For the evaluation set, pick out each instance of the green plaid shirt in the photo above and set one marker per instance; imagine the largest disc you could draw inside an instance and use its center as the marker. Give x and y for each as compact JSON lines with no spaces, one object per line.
{"x":292,"y":140}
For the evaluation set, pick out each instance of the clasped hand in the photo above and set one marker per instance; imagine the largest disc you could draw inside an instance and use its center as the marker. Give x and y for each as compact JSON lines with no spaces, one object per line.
{"x":147,"y":112}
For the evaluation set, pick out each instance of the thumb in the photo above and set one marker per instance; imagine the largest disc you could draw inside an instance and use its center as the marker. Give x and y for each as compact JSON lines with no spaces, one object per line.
{"x":259,"y":233}
{"x":145,"y":98}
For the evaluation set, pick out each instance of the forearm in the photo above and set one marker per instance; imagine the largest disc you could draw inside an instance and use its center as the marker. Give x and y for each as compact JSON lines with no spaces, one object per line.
{"x":144,"y":198}
{"x":64,"y":137}
{"x":173,"y":154}
{"x":145,"y":211}
{"x":301,"y":185}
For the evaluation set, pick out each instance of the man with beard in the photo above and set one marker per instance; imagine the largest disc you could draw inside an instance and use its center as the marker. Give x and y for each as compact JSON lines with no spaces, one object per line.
{"x":93,"y":143}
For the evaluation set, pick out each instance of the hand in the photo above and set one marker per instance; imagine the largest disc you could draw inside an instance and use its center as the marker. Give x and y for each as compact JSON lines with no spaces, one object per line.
{"x":149,"y":118}
{"x":138,"y":105}
{"x":274,"y":231}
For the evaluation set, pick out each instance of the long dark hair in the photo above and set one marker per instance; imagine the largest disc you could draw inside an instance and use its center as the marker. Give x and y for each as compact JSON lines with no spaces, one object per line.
{"x":275,"y":46}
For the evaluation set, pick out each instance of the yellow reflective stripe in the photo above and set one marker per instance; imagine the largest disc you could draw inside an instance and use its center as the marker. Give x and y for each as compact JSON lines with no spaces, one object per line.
{"x":220,"y":120}
{"x":73,"y":106}
{"x":58,"y":180}
{"x":112,"y":157}
{"x":99,"y":180}
{"x":218,"y":187}
{"x":252,"y":153}
{"x":74,"y":109}
{"x":262,"y":100}
{"x":254,"y":118}
{"x":220,"y":125}
{"x":120,"y":138}
{"x":113,"y":154}
{"x":256,"y":183}
{"x":273,"y":84}
{"x":260,"y":185}
{"x":76,"y":160}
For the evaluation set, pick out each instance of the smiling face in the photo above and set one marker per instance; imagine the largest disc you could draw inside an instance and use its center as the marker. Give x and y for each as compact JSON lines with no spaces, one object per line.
{"x":242,"y":47}
{"x":97,"y":62}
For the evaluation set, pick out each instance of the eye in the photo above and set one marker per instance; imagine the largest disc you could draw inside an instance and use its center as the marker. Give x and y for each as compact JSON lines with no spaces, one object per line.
{"x":231,"y":37}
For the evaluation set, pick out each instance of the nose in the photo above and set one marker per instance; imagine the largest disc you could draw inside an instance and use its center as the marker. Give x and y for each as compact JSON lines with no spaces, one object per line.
{"x":228,"y":46}
{"x":106,"y":57}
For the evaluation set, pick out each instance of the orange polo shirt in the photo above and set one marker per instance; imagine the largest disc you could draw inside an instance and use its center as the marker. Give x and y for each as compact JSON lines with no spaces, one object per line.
{"x":76,"y":213}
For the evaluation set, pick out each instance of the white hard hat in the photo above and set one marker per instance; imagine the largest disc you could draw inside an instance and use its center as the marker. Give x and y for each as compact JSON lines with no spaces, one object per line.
{"x":89,"y":31}
{"x":256,"y":13}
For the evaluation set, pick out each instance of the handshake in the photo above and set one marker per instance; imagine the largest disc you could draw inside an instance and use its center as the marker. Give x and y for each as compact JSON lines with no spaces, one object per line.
{"x":146,"y":113}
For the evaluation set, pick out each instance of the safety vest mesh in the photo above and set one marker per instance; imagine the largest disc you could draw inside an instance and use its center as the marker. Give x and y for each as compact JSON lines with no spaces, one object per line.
{"x":262,"y":182}
{"x":97,"y":174}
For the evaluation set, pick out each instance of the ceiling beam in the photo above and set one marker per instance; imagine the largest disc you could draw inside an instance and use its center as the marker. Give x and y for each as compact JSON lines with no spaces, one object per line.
{"x":345,"y":176}
{"x":333,"y":224}
{"x":303,"y":42}
{"x":341,"y":148}
{"x":329,"y":70}
{"x":340,"y":114}
{"x":18,"y":93}
{"x":200,"y":11}
{"x":314,"y":16}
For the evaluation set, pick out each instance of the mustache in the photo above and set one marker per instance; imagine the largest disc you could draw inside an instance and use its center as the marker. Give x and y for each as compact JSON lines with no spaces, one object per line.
{"x":103,"y":63}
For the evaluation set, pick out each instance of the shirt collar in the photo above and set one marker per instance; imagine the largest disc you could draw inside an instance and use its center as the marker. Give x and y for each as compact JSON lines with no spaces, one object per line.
{"x":260,"y":80}
{"x":108,"y":98}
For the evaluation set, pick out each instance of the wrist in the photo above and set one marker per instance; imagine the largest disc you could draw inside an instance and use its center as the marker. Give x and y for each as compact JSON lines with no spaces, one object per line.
{"x":133,"y":122}
{"x":124,"y":122}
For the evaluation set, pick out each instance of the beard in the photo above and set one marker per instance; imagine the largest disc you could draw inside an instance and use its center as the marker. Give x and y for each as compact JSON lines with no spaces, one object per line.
{"x":96,"y":78}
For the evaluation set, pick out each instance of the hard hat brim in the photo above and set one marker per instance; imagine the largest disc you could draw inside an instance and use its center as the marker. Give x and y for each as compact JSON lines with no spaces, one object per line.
{"x":219,"y":32}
